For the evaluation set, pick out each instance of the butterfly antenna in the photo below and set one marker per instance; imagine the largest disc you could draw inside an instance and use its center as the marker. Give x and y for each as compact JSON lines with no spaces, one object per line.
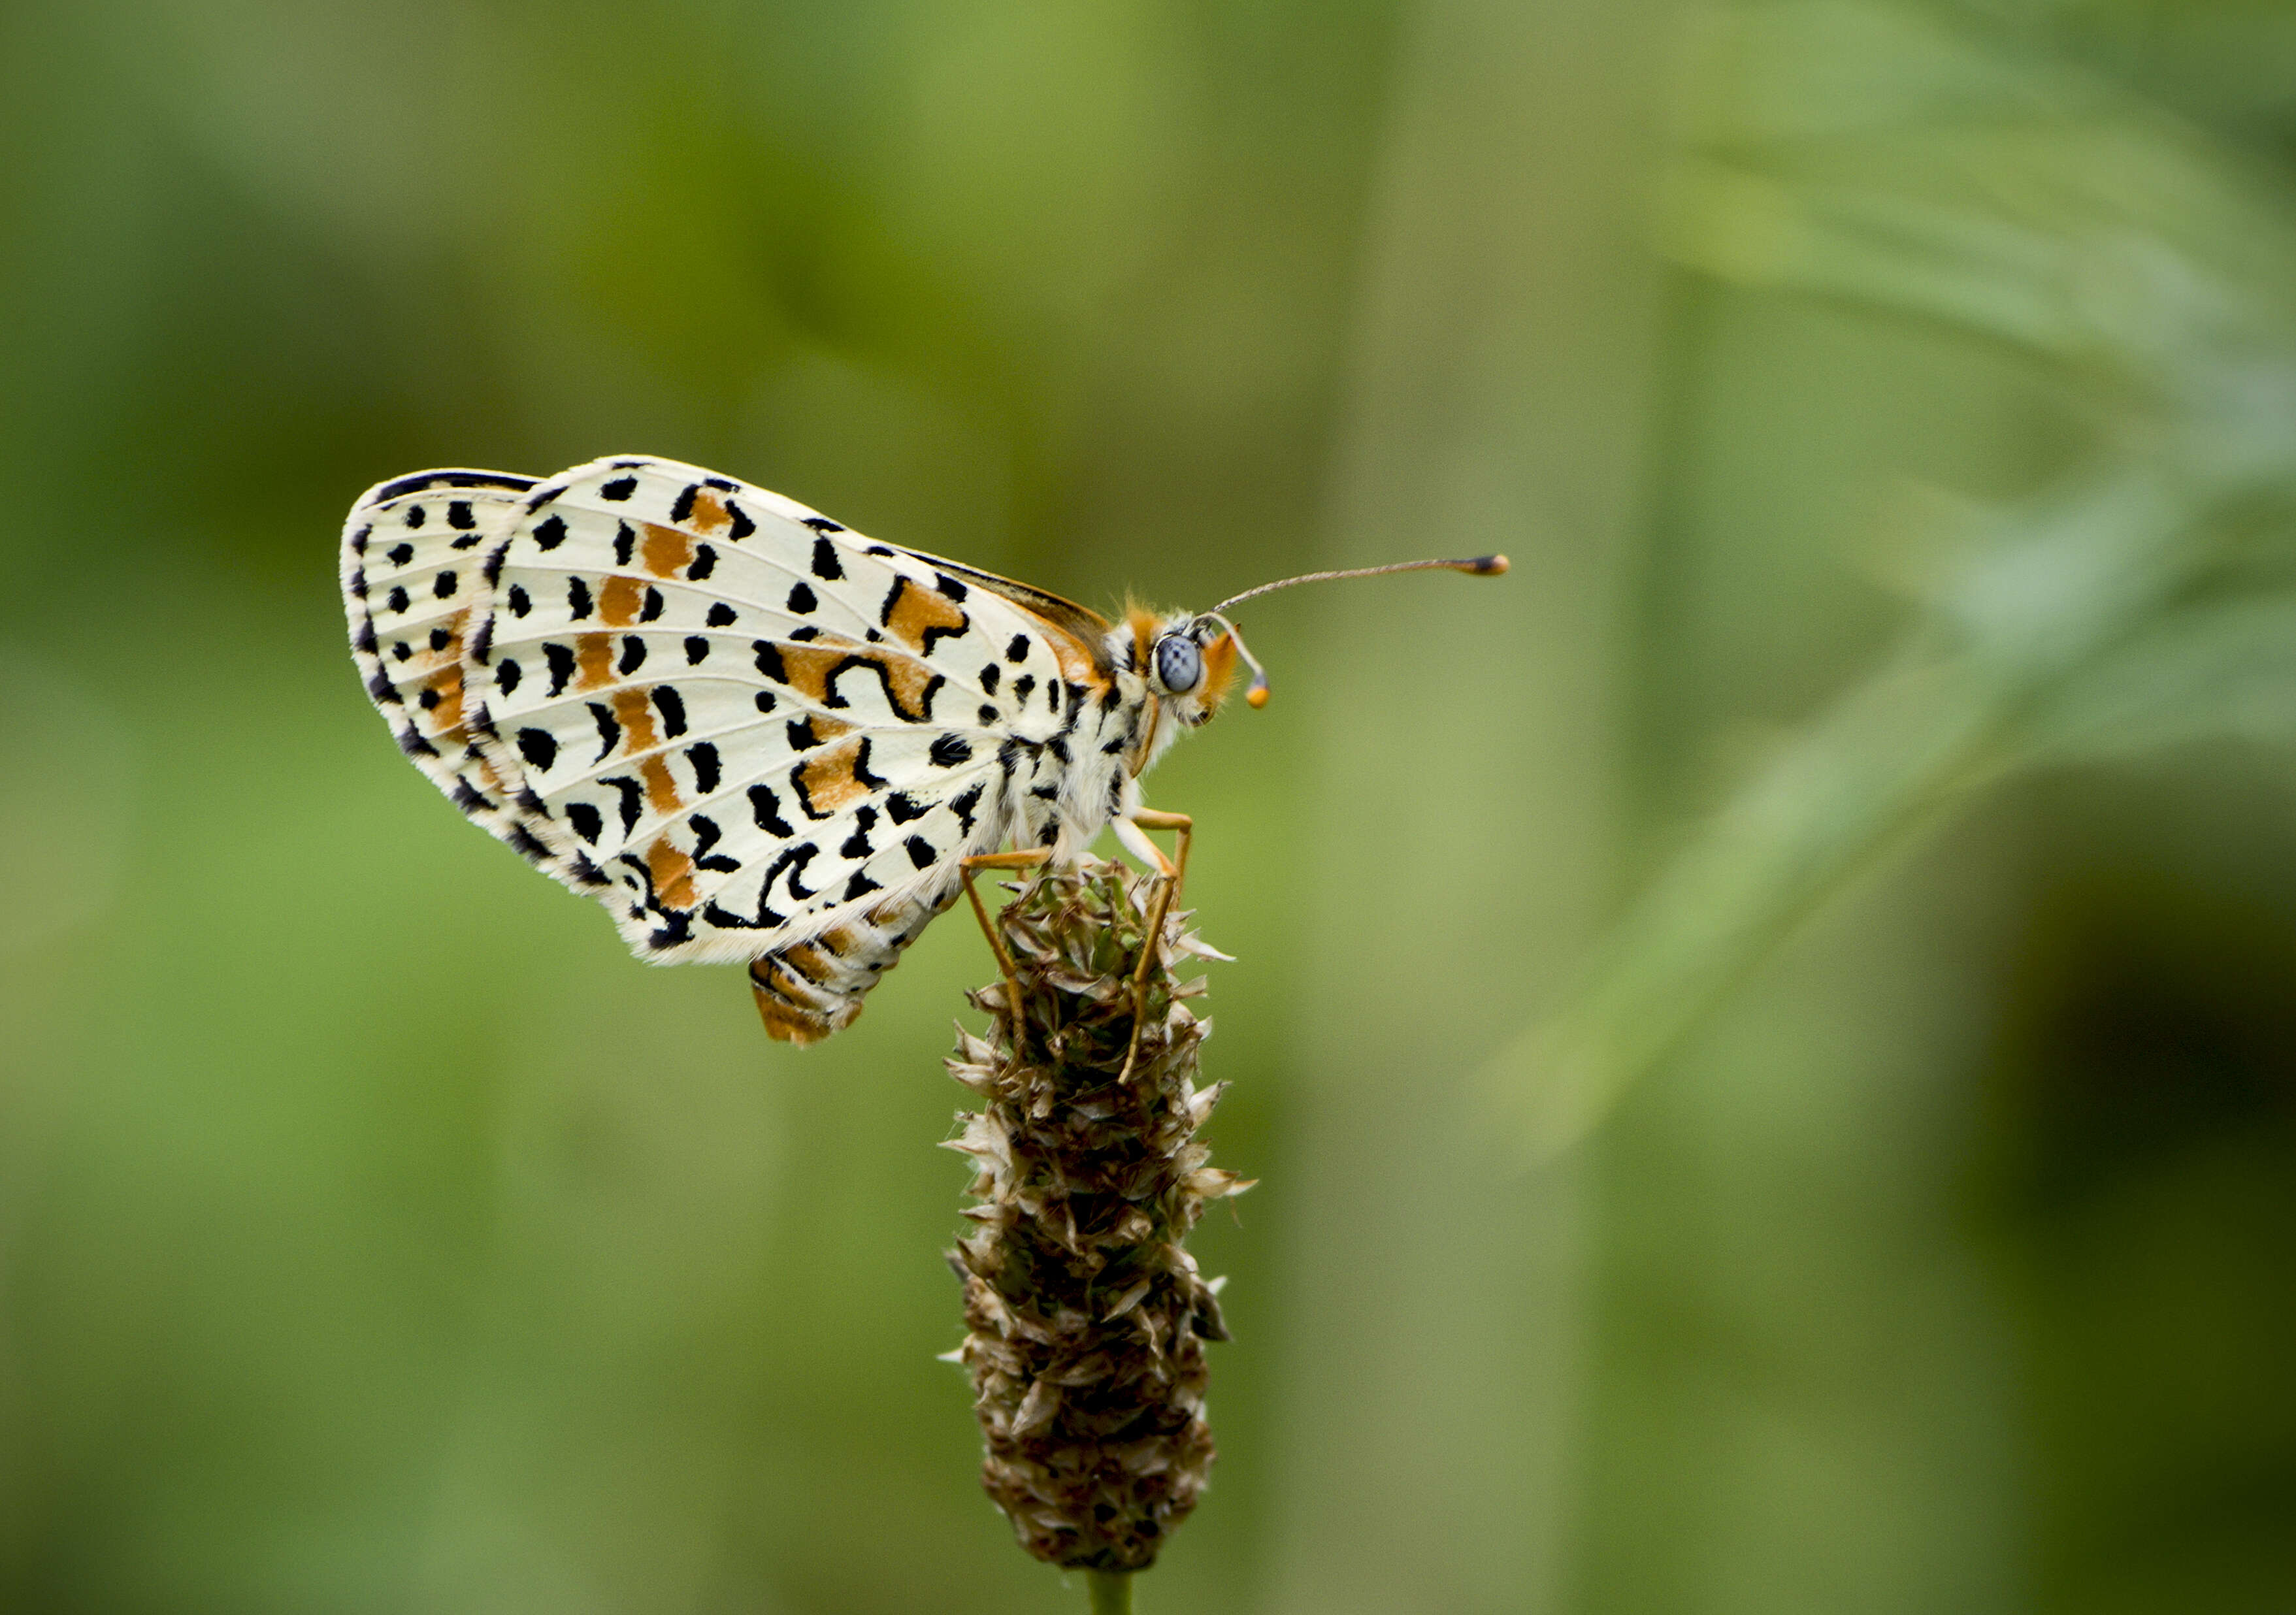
{"x":1257,"y":695}
{"x":1474,"y":566}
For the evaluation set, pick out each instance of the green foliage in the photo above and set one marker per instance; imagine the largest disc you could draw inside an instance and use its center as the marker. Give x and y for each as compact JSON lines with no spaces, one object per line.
{"x":1868,"y":153}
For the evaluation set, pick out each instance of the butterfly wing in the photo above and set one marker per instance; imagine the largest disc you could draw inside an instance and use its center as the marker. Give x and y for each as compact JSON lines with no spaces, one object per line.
{"x":754,"y":727}
{"x":414,"y":555}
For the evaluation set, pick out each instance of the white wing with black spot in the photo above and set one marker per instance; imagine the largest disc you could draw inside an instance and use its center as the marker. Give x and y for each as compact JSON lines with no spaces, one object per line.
{"x":744,"y":726}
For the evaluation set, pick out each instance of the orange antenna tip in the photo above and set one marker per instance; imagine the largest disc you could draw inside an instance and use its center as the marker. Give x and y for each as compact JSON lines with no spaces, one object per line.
{"x":1486,"y":566}
{"x":1255,"y":697}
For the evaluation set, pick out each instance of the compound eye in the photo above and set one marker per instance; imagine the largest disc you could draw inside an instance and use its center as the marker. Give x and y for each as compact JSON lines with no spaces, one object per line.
{"x":1179,"y":664}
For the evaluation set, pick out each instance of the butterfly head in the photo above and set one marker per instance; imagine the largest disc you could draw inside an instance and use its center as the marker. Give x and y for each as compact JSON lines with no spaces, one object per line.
{"x":1189,"y":661}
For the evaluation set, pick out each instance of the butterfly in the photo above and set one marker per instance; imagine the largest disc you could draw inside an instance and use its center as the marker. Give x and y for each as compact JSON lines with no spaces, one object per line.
{"x":756,"y":735}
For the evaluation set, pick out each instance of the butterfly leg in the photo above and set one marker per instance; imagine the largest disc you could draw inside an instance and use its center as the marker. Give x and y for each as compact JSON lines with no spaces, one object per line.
{"x":1129,"y":829}
{"x":1029,"y":859}
{"x":1173,"y":870}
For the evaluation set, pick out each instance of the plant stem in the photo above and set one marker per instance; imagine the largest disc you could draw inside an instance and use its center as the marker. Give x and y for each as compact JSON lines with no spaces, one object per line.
{"x":1112,"y":1592}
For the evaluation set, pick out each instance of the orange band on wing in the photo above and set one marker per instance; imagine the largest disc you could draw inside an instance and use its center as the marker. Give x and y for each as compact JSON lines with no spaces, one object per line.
{"x":666,"y":549}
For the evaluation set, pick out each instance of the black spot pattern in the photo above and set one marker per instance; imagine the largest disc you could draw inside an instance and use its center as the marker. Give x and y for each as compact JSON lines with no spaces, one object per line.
{"x":672,"y":707}
{"x":443,"y":585}
{"x":902,"y":807}
{"x":550,"y":532}
{"x":707,"y":835}
{"x":459,"y":516}
{"x":620,"y":489}
{"x":507,"y":673}
{"x":704,"y":759}
{"x":610,"y":730}
{"x":949,"y":750}
{"x":962,"y":807}
{"x":626,"y":542}
{"x":538,"y":747}
{"x":587,"y":821}
{"x":560,"y":659}
{"x":520,"y":605}
{"x":1018,"y":651}
{"x":704,"y":563}
{"x":400,"y":554}
{"x":634,"y":655}
{"x":765,"y":809}
{"x":802,"y":600}
{"x":920,"y":851}
{"x":1024,"y":688}
{"x":825,"y":563}
{"x":577,"y":599}
{"x":721,"y":615}
{"x":395,"y":601}
{"x":697,"y":650}
{"x":632,"y":794}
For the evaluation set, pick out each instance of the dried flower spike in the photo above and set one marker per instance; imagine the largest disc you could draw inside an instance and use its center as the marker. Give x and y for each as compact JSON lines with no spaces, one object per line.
{"x":1087,"y":1319}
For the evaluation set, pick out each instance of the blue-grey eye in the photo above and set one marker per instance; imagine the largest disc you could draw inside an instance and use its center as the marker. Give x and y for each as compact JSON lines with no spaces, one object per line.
{"x":1179,"y":665}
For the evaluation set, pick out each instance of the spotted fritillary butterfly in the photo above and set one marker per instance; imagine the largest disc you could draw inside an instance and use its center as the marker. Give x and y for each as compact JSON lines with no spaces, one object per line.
{"x":755,"y":735}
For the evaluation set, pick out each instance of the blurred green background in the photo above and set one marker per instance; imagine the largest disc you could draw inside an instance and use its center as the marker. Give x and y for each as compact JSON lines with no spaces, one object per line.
{"x":1768,"y":1037}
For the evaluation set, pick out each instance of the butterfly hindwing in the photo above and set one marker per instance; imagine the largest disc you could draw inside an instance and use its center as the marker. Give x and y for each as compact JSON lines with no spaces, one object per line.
{"x":755,"y":723}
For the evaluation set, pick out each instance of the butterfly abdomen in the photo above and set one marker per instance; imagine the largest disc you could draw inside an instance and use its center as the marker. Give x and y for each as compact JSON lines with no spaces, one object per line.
{"x":806,"y":990}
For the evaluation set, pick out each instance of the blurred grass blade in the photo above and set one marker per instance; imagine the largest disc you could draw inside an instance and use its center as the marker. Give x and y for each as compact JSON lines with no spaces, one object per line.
{"x":1865,"y":151}
{"x":2058,"y":585}
{"x":2221,"y":671}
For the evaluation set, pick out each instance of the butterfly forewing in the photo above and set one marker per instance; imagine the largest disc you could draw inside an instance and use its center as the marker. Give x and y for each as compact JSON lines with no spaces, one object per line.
{"x":414,"y":589}
{"x":753,"y":723}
